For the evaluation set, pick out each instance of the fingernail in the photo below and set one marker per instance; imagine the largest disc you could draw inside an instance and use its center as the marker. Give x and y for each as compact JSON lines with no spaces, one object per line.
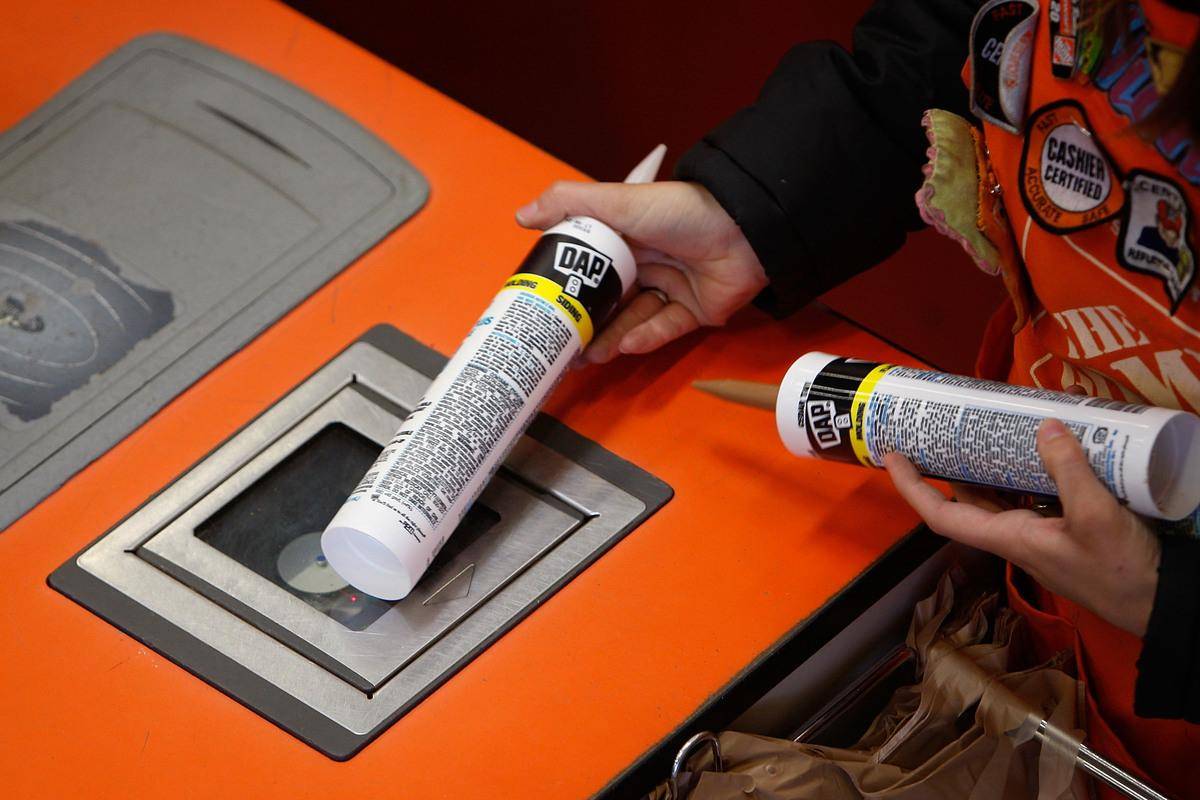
{"x":631,"y":343}
{"x":598,"y":355}
{"x":526,"y":212}
{"x":1052,"y":429}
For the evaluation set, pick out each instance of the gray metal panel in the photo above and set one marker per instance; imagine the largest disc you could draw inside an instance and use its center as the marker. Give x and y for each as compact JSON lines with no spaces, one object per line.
{"x":155,"y":216}
{"x":525,"y":530}
{"x":334,"y":687}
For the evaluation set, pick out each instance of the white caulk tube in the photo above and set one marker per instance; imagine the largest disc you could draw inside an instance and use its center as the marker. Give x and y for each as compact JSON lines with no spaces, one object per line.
{"x":983,"y":432}
{"x":412,"y":498}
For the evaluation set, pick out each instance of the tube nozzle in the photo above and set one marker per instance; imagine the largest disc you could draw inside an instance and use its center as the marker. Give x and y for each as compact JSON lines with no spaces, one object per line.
{"x":747,"y":393}
{"x":647,"y":169}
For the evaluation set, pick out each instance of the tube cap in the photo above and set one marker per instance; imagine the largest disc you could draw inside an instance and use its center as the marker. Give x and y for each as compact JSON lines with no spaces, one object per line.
{"x":1173,"y":474}
{"x":789,"y":407}
{"x":367,"y":562}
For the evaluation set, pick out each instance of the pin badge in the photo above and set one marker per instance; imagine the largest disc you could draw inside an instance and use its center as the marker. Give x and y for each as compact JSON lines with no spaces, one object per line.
{"x":1068,"y":181}
{"x":1001,"y":43}
{"x":1089,"y":52}
{"x":1156,"y":233}
{"x":1064,"y":34}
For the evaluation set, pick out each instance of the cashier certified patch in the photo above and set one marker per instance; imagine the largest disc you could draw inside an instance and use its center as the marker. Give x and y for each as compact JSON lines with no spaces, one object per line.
{"x":1068,"y":181}
{"x":1156,"y":233}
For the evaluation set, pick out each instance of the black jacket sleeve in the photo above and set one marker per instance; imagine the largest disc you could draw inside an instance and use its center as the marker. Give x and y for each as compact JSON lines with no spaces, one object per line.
{"x":821,"y":171}
{"x":1168,"y":680}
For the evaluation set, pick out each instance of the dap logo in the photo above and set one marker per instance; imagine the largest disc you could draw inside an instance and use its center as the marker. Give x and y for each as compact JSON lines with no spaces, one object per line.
{"x":822,"y":423}
{"x":582,"y":262}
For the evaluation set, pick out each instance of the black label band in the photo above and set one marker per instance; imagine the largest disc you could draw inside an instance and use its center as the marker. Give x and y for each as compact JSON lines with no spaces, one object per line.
{"x":832,"y":409}
{"x":584,"y":272}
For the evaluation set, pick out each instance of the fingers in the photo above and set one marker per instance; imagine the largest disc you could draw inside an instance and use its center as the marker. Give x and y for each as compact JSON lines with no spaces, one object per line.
{"x":615,"y":204}
{"x":677,"y":286}
{"x":641,"y":308}
{"x":962,"y":522}
{"x":673,"y":321}
{"x":987,"y":499}
{"x":648,"y":255}
{"x":1081,"y":492}
{"x":680,"y":316}
{"x":927,"y":501}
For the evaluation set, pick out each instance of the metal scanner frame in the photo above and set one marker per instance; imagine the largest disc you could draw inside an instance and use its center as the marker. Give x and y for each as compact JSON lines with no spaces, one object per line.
{"x":563,"y":501}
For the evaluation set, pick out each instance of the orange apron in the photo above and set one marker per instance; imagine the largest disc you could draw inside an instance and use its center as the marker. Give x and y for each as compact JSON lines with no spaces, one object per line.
{"x":1106,"y":298}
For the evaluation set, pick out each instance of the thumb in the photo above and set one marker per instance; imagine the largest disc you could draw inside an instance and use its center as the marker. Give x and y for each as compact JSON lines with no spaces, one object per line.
{"x":1080,"y":491}
{"x":614,"y":204}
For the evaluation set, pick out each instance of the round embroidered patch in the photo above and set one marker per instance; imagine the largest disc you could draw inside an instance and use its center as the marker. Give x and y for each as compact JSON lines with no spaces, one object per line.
{"x":1068,"y":181}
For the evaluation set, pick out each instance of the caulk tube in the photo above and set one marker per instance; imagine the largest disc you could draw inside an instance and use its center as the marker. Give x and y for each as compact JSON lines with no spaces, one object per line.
{"x":984,"y":432}
{"x":412,"y":498}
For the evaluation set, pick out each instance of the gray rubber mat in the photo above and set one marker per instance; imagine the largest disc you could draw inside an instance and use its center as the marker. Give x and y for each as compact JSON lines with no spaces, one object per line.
{"x":155,"y":216}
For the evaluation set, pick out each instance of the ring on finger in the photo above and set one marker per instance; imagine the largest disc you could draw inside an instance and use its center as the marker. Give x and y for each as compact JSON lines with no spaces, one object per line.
{"x":659,"y":293}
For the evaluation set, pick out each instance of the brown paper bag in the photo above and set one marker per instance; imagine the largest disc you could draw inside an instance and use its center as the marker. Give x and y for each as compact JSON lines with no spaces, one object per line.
{"x":965,"y":731}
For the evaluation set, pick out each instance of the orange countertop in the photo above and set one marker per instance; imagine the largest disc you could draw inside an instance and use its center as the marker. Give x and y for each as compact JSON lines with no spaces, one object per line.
{"x":753,"y":542}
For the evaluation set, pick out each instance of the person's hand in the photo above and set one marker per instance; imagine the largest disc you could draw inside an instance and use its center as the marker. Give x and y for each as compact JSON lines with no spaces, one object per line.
{"x":1098,"y":553}
{"x":686,"y":247}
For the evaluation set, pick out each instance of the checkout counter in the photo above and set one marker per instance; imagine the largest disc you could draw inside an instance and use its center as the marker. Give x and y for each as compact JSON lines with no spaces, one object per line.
{"x":649,"y":563}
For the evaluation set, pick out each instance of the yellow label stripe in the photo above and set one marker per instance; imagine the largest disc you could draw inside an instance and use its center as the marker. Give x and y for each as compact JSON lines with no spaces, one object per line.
{"x":548,"y":290}
{"x":858,"y":411}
